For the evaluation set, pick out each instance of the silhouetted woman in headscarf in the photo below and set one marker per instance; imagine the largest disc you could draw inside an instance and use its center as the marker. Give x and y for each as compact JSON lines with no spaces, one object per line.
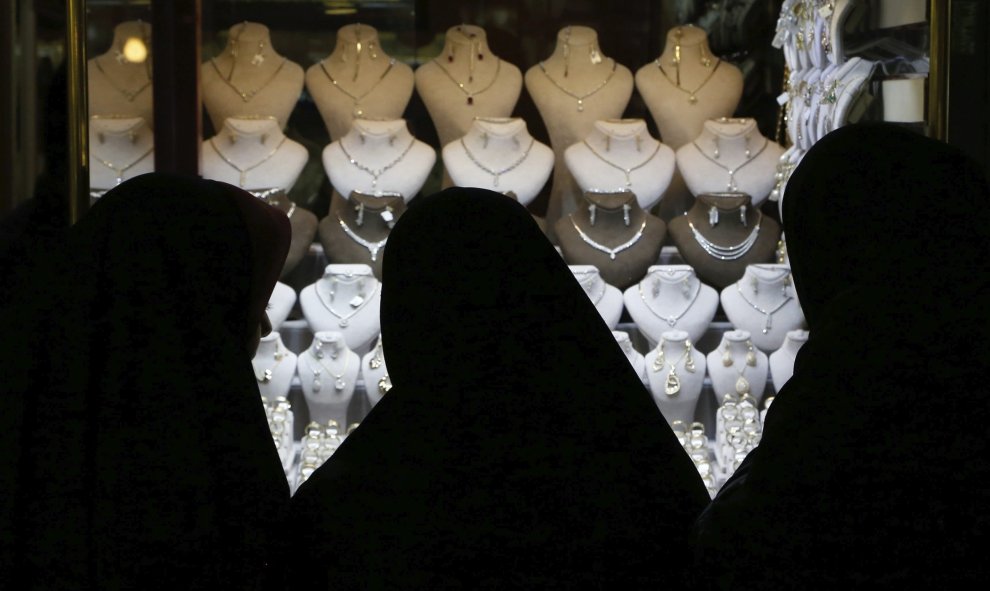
{"x":149,"y":462}
{"x":873,"y":464}
{"x":517,"y":447}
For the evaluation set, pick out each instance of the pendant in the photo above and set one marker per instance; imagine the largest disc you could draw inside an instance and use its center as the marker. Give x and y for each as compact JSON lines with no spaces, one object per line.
{"x":673,"y":384}
{"x":384,"y":384}
{"x":580,"y":105}
{"x":317,"y":384}
{"x":243,"y":178}
{"x":470,"y":100}
{"x":768,"y":324}
{"x":339,"y":384}
{"x":357,"y":111}
{"x":344,"y":323}
{"x":671,"y":321}
{"x":375,"y":363}
{"x":692,"y":99}
{"x":267,"y":377}
{"x":495,"y":181}
{"x":742,"y":385}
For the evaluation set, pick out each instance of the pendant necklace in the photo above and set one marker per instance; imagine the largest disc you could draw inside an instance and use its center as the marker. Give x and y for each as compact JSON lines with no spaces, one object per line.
{"x":626,"y":171}
{"x":742,"y":384}
{"x":246,"y":95}
{"x":731,"y":185}
{"x":244,"y":171}
{"x":672,"y":319}
{"x":339,"y":383}
{"x":470,"y":93}
{"x":375,"y":173}
{"x":611,"y":252}
{"x":692,"y":94}
{"x":357,"y":111}
{"x":121,"y":170}
{"x":358,"y":303}
{"x":579,"y":97}
{"x":767,"y":313}
{"x":672,"y":384}
{"x":372,"y":247}
{"x":266,"y":374}
{"x":130,"y":95}
{"x":727,"y":253}
{"x":271,"y":197}
{"x":378,"y":359}
{"x":497,"y":173}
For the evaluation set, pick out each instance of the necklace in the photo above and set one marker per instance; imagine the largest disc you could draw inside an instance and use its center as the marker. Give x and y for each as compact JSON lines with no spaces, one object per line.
{"x":345,"y":319}
{"x":121,"y":170}
{"x":497,"y":173}
{"x":379,"y":172}
{"x":767,"y":313}
{"x":270,"y":196}
{"x":732,"y":171}
{"x":373,"y":247}
{"x":611,"y":252}
{"x":339,"y":383}
{"x":246,"y":96}
{"x":244,"y":171}
{"x":357,"y":111}
{"x":672,"y":385}
{"x":728,"y":253}
{"x":692,"y":94}
{"x":580,"y":97}
{"x":672,"y":319}
{"x":470,"y":93}
{"x":627,"y":171}
{"x":590,"y":283}
{"x":266,"y":374}
{"x":742,"y":384}
{"x":130,"y":95}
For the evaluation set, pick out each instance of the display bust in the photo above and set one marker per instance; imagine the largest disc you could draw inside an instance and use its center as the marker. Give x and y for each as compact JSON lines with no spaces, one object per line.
{"x":120,"y":148}
{"x":328,"y":372}
{"x":119,"y":81}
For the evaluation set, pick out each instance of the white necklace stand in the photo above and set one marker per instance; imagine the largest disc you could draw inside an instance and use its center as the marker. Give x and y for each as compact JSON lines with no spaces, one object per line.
{"x":606,"y":298}
{"x":355,"y":299}
{"x":328,"y":372}
{"x":120,"y":149}
{"x":726,"y":145}
{"x":375,"y":374}
{"x":767,"y":287}
{"x":636,"y":359}
{"x":274,"y":367}
{"x":250,"y":78}
{"x":116,"y":84}
{"x":621,"y":153}
{"x":671,"y":297}
{"x":605,"y":87}
{"x":747,"y":371}
{"x":386,"y":159}
{"x":782,"y":360}
{"x":357,"y":80}
{"x":252,"y":153}
{"x":280,"y":304}
{"x":499,"y":154}
{"x":680,"y":405}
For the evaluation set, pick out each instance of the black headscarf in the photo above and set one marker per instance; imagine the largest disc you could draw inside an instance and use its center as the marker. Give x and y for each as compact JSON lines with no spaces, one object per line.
{"x":517,"y":447}
{"x":148,"y":455}
{"x":869,"y":471}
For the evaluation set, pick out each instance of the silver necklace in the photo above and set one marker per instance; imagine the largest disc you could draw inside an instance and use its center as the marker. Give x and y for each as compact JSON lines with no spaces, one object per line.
{"x":130,"y":95}
{"x":266,"y":195}
{"x":470,"y":93}
{"x":339,"y":383}
{"x":375,"y":173}
{"x":120,"y":171}
{"x":627,"y":171}
{"x":670,"y":320}
{"x":246,"y":95}
{"x":580,"y":97}
{"x":244,"y":171}
{"x":611,"y":252}
{"x":497,"y":173}
{"x":587,"y":288}
{"x":373,"y":247}
{"x":357,"y":111}
{"x":767,"y":313}
{"x":728,"y":253}
{"x":731,"y":185}
{"x":344,"y":320}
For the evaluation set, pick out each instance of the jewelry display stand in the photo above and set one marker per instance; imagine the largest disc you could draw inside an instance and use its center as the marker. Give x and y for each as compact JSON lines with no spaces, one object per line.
{"x":574,"y":87}
{"x":764,"y":304}
{"x":621,"y":153}
{"x":274,"y":367}
{"x":358,"y":230}
{"x":118,"y":86}
{"x":252,"y":153}
{"x":671,"y":297}
{"x":346,"y":299}
{"x":676,"y":375}
{"x":280,"y":304}
{"x":120,"y":148}
{"x":250,"y":78}
{"x":328,"y":372}
{"x":375,"y":374}
{"x":737,"y":367}
{"x":782,"y":360}
{"x":635,"y":358}
{"x":358,"y":80}
{"x":606,"y":298}
{"x":721,"y":235}
{"x":499,"y":154}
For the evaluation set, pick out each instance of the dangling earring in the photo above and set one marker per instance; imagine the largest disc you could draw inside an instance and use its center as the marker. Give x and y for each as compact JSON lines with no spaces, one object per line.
{"x":361,"y":135}
{"x":742,"y":215}
{"x":755,"y":285}
{"x":608,"y":143}
{"x":787,"y":282}
{"x":133,"y":137}
{"x":688,"y":361}
{"x":626,"y":208}
{"x":333,"y":288}
{"x":388,"y":216}
{"x":713,"y":216}
{"x":100,"y":137}
{"x":372,"y":52}
{"x":656,"y":287}
{"x":639,"y":143}
{"x":259,"y":57}
{"x":750,"y":354}
{"x":706,"y":61}
{"x":391,"y":140}
{"x":677,"y":56}
{"x":592,"y":210}
{"x":567,"y":51}
{"x":594,"y":55}
{"x":318,"y":349}
{"x":264,"y":138}
{"x":716,"y":154}
{"x":748,"y":152}
{"x":726,"y":356}
{"x":686,"y":287}
{"x":484,"y":140}
{"x":450,"y":54}
{"x":660,"y":361}
{"x":360,"y":216}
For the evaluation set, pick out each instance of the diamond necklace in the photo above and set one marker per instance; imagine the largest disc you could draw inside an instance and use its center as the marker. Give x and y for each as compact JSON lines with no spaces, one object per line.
{"x":130,"y":95}
{"x":692,"y":94}
{"x":470,"y":93}
{"x":357,"y":111}
{"x":120,"y":171}
{"x":338,"y":379}
{"x":344,"y":319}
{"x":728,"y":253}
{"x":374,"y":173}
{"x":731,"y":185}
{"x":497,"y":173}
{"x":627,"y":171}
{"x":373,"y":247}
{"x":768,"y":313}
{"x":670,"y":320}
{"x":611,"y":252}
{"x":246,"y":96}
{"x":580,"y":97}
{"x":244,"y":171}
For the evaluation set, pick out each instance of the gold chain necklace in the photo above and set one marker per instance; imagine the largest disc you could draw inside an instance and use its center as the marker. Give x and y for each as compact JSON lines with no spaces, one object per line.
{"x":130,"y":95}
{"x":244,"y":171}
{"x":692,"y":94}
{"x":470,"y":94}
{"x":357,"y":111}
{"x":580,"y":97}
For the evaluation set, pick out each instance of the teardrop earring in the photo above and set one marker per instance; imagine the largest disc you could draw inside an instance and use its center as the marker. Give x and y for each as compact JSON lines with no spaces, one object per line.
{"x":755,"y":286}
{"x":656,"y":288}
{"x":742,"y":216}
{"x":592,"y":210}
{"x":717,"y":154}
{"x":259,"y":56}
{"x":359,"y":220}
{"x":594,"y":55}
{"x":639,"y":143}
{"x":389,"y":216}
{"x":750,"y":354}
{"x":706,"y":60}
{"x":450,"y":54}
{"x":686,"y":287}
{"x":787,"y":283}
{"x":713,"y":216}
{"x":688,"y":360}
{"x":372,"y":52}
{"x":626,"y":208}
{"x":660,"y":361}
{"x":727,"y":360}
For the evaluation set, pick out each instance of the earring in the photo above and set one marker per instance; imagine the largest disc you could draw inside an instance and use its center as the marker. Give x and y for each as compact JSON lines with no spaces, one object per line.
{"x":639,"y":143}
{"x":742,"y":215}
{"x":706,"y":61}
{"x":567,"y":51}
{"x":750,"y":354}
{"x":333,"y":288}
{"x":132,"y":136}
{"x":660,"y":361}
{"x":686,"y":287}
{"x":450,"y":54}
{"x":677,"y":56}
{"x":259,"y":57}
{"x":318,"y":349}
{"x":317,"y":384}
{"x":656,"y":288}
{"x":787,"y":282}
{"x":100,"y":137}
{"x":594,"y":55}
{"x":748,"y":152}
{"x":391,"y":140}
{"x":688,"y":361}
{"x":360,"y":215}
{"x":334,"y":351}
{"x":716,"y":154}
{"x":755,"y":285}
{"x":388,"y":216}
{"x":372,"y":52}
{"x":264,"y":138}
{"x":361,"y":135}
{"x":592,"y":210}
{"x":484,"y":140}
{"x":233,"y":138}
{"x":713,"y":216}
{"x":726,"y":356}
{"x":626,"y":208}
{"x":608,"y":143}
